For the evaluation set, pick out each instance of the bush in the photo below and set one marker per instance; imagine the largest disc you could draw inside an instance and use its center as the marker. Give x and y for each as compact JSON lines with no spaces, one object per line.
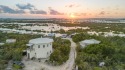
{"x":61,"y":51}
{"x":17,"y":66}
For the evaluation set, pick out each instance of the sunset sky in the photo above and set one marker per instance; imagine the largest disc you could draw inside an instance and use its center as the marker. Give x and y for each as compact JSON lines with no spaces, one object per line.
{"x":62,"y":8}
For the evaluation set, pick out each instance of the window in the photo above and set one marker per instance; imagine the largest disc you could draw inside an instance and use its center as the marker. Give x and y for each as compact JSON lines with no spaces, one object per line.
{"x":43,"y":46}
{"x":47,"y":45}
{"x":38,"y":46}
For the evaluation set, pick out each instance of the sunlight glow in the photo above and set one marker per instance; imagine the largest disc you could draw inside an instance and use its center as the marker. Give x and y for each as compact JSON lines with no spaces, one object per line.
{"x":72,"y":15}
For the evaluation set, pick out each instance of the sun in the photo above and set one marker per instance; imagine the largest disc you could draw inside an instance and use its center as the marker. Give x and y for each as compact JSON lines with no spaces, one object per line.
{"x":72,"y":15}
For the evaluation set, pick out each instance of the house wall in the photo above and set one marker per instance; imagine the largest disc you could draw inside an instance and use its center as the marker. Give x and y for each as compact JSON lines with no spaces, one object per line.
{"x":41,"y":50}
{"x":31,"y":53}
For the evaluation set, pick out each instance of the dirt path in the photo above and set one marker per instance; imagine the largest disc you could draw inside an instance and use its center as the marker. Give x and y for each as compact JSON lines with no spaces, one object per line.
{"x":34,"y":65}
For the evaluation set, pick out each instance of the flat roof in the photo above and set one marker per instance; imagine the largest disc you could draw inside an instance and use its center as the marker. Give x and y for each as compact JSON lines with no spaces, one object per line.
{"x":40,"y":40}
{"x":90,"y":41}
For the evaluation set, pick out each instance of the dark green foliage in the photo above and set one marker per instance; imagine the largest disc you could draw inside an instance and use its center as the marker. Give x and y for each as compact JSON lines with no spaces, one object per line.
{"x":61,"y":51}
{"x":80,"y":37}
{"x":111,"y":50}
{"x":62,"y":31}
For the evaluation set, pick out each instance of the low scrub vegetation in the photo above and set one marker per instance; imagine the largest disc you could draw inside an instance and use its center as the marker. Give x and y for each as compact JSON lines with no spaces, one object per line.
{"x":110,"y":51}
{"x":61,"y":51}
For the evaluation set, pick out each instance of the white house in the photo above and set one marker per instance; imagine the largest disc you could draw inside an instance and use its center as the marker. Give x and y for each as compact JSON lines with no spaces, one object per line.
{"x":101,"y":64}
{"x":2,"y":44}
{"x":10,"y":40}
{"x":84,"y":43}
{"x":39,"y":48}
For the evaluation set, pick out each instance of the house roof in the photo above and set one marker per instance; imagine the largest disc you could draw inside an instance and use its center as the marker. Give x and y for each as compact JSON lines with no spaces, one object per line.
{"x":40,"y":40}
{"x":29,"y":44}
{"x":2,"y":43}
{"x":90,"y":41}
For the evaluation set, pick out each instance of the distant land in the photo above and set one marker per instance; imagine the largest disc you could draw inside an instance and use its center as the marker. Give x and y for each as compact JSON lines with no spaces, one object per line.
{"x":64,"y":20}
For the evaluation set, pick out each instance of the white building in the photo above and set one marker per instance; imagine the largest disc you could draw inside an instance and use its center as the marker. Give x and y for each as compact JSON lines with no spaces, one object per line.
{"x":39,"y":48}
{"x":84,"y":43}
{"x":101,"y":64}
{"x":10,"y":40}
{"x":2,"y":44}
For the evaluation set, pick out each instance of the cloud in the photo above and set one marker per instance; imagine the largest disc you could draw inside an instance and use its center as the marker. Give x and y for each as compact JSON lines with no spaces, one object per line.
{"x":20,"y":12}
{"x":102,"y":13}
{"x":6,"y":9}
{"x":80,"y":14}
{"x":72,"y":5}
{"x":108,"y":13}
{"x":77,"y":14}
{"x":54,"y":12}
{"x":117,"y":8}
{"x":31,"y":8}
{"x":26,"y":6}
{"x":38,"y":12}
{"x":83,"y":14}
{"x":116,"y":12}
{"x":21,"y":9}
